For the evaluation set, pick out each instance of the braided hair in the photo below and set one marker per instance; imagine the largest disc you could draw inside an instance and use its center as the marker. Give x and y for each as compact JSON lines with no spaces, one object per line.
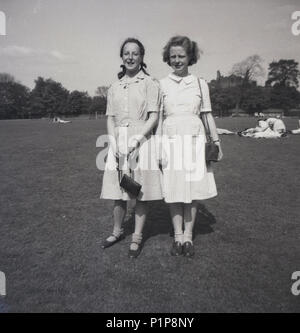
{"x":142,"y":51}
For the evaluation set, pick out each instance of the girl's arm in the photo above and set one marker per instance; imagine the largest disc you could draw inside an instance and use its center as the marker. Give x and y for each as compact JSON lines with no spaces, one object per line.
{"x":147,"y":129}
{"x":213,"y":133}
{"x":153,"y":95}
{"x":111,"y":131}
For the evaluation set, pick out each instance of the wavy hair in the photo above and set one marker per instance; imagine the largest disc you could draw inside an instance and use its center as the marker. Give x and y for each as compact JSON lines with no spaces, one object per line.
{"x":191,"y":49}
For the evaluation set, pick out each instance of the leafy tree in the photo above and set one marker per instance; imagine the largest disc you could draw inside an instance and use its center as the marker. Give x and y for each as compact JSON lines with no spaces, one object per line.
{"x":98,"y":105}
{"x":48,"y":98}
{"x":5,"y":77}
{"x":78,"y":103}
{"x":102,"y":91}
{"x":283,"y":97}
{"x":284,"y":73}
{"x":14,"y":98}
{"x":222,"y":100}
{"x":255,"y":99}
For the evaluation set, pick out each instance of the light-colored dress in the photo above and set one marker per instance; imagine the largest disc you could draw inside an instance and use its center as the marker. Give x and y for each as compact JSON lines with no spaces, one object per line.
{"x":186,"y":175}
{"x":129,"y":101}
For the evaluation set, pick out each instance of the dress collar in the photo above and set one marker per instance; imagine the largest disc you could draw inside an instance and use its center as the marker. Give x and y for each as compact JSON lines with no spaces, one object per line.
{"x":186,"y":79}
{"x":127,"y":80}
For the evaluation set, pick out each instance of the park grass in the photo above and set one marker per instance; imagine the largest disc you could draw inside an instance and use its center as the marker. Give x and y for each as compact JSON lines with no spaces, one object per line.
{"x":52,"y":224}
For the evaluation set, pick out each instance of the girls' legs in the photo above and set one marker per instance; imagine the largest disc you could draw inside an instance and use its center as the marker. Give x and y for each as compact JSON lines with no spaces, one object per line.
{"x":119,"y":212}
{"x":176,"y":211}
{"x":190,"y":212}
{"x":141,"y":210}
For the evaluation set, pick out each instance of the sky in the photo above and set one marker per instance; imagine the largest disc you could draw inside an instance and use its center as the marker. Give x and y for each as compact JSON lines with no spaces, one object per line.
{"x":77,"y":42}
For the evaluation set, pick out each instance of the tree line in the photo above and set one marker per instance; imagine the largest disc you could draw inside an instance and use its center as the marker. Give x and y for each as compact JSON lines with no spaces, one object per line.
{"x":239,"y":90}
{"x":48,"y":98}
{"x":236,"y":91}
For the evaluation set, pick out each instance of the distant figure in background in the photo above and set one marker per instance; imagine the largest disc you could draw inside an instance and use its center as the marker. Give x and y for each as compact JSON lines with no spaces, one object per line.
{"x":222,"y":131}
{"x":262,"y":125}
{"x":58,"y":120}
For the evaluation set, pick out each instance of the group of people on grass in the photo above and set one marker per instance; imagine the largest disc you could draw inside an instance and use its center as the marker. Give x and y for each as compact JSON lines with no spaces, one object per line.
{"x":266,"y":128}
{"x":139,"y":106}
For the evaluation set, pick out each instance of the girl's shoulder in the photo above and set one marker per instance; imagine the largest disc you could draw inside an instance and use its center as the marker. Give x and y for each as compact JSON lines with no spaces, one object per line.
{"x":114,"y":84}
{"x":151,"y":79}
{"x":151,"y":82}
{"x":165,"y":83}
{"x":203,"y":84}
{"x":202,"y":80}
{"x":164,"y":79}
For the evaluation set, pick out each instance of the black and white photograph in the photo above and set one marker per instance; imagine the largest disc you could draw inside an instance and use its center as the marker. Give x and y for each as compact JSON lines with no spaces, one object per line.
{"x":149,"y":158}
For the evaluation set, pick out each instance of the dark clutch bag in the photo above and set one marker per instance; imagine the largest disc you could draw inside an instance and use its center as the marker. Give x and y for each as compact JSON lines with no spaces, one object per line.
{"x":211,"y":152}
{"x":211,"y":149}
{"x":130,"y":186}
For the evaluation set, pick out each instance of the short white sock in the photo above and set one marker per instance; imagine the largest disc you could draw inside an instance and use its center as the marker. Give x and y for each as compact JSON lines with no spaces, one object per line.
{"x":137,"y":238}
{"x":117,"y":232}
{"x":179,"y":237}
{"x":187,"y":237}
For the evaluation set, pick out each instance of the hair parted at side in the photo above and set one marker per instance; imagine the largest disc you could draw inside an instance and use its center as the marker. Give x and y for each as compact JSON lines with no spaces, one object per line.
{"x":142,"y":51}
{"x":190,"y":47}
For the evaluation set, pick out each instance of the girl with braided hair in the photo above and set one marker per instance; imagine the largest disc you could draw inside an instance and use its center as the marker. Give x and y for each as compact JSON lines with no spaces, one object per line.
{"x":132,"y":113}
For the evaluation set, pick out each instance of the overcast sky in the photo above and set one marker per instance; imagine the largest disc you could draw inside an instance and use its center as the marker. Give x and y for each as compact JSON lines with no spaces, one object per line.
{"x":76,"y":42}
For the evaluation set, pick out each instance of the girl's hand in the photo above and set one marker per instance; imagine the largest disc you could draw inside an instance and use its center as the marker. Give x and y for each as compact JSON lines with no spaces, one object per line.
{"x":220,"y":156}
{"x":134,"y":144}
{"x":116,"y":155}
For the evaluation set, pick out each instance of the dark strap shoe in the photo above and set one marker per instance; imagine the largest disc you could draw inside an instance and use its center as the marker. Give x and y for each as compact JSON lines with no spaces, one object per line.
{"x":135,"y":253}
{"x":108,"y":243}
{"x":176,"y":249}
{"x":188,"y":249}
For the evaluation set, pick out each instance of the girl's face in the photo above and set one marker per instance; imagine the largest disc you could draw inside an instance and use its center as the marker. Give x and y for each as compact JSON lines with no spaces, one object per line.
{"x":179,"y":60}
{"x":132,"y":58}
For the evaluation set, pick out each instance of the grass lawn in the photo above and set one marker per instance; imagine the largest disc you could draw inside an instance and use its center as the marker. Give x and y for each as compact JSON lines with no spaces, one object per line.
{"x":247,"y":239}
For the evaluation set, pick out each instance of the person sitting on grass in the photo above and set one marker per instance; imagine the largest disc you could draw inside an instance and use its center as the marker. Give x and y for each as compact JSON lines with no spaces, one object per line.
{"x":277,"y":125}
{"x":270,"y":128}
{"x":262,"y":125}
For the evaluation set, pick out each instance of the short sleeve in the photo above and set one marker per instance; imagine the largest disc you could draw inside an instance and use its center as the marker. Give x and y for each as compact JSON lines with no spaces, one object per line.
{"x":109,"y":105}
{"x":205,"y":103}
{"x":153,"y":96}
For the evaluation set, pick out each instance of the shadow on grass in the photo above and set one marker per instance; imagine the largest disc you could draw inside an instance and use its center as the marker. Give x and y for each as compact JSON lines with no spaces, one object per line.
{"x":159,"y":221}
{"x":204,"y":221}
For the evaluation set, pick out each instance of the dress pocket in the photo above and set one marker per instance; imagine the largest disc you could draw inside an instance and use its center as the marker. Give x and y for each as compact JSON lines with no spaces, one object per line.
{"x":195,"y":129}
{"x":170,"y":129}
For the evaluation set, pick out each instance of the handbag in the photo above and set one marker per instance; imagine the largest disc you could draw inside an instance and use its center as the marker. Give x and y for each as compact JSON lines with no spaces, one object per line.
{"x":211,"y":149}
{"x":130,"y":185}
{"x":127,"y":183}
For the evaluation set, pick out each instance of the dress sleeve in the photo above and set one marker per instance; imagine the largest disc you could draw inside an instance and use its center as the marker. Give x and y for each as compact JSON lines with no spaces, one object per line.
{"x":109,"y":105}
{"x":153,"y":96}
{"x":205,"y":103}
